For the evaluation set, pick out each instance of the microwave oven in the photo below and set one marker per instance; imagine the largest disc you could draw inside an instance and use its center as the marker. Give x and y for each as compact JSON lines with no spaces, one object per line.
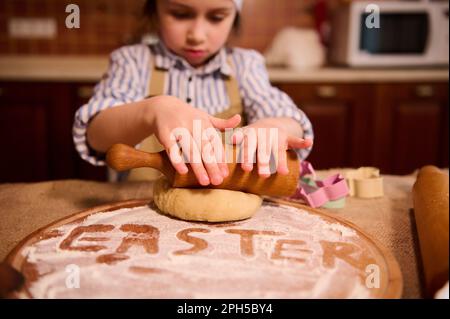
{"x":390,"y":33}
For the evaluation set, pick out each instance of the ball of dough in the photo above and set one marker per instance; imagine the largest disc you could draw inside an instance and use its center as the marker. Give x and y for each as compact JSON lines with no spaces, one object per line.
{"x":211,"y":205}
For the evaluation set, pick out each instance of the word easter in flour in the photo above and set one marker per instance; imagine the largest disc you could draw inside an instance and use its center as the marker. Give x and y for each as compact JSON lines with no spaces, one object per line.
{"x":147,"y":237}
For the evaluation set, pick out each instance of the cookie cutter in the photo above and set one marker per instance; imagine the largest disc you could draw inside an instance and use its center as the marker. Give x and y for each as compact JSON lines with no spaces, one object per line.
{"x":365,"y":182}
{"x":329,"y":192}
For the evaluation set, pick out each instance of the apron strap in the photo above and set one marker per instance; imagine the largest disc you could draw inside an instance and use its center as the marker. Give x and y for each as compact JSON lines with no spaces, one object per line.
{"x":151,"y":143}
{"x":232,"y":87}
{"x":156,"y":82}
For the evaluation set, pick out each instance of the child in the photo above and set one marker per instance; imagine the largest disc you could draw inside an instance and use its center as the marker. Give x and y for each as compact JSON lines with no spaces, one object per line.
{"x":188,"y":75}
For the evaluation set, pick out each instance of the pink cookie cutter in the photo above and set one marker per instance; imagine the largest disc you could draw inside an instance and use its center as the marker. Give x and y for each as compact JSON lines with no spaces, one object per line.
{"x":329,"y":189}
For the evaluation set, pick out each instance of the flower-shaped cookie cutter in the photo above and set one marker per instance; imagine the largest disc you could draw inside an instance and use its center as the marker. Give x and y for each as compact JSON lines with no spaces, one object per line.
{"x":331,"y":190}
{"x":365,"y":182}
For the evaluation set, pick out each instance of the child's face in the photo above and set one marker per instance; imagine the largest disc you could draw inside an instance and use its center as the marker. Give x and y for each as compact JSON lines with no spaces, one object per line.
{"x":195,"y":29}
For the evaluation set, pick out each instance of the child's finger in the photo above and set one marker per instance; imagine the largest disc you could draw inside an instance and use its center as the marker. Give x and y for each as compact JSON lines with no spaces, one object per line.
{"x":263,"y":155}
{"x":222,"y":124}
{"x":211,"y":147}
{"x":210,"y":163}
{"x":221,"y":156}
{"x":223,"y":166}
{"x":298,"y":142}
{"x":282,"y":161}
{"x":248,"y":150}
{"x":175,"y":155}
{"x":195,"y":160}
{"x":213,"y":140}
{"x":237,"y":137}
{"x":191,"y":153}
{"x":176,"y":158}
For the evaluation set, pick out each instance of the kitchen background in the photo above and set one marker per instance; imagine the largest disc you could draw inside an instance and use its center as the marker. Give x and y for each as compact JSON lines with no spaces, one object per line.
{"x":107,"y":24}
{"x":393,"y":118}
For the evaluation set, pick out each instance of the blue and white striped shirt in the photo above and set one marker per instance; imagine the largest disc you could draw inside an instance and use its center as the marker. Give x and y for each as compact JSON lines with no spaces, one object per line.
{"x":127,"y":80}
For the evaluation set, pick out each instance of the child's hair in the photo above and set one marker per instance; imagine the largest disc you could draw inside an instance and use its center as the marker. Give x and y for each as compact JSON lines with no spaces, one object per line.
{"x":150,"y":16}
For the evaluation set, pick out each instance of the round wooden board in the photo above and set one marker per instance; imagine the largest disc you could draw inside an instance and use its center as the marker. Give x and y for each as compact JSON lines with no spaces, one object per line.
{"x":130,"y":250}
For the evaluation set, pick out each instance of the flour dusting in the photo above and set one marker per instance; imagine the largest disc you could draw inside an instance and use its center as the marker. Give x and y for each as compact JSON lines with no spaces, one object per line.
{"x":282,"y":252}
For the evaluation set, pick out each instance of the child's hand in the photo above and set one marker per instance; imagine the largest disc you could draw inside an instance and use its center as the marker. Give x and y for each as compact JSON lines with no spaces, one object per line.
{"x":167,"y":115}
{"x":259,"y":144}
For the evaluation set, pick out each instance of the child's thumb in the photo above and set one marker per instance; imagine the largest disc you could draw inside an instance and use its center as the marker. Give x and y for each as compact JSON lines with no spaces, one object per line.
{"x":222,"y":124}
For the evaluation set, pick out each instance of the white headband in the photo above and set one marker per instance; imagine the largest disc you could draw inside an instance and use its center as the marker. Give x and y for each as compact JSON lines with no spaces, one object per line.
{"x":238,"y":4}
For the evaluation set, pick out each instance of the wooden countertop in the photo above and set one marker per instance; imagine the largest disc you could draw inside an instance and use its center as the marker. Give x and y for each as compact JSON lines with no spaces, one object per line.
{"x":91,"y":68}
{"x":348,"y":75}
{"x":53,"y":68}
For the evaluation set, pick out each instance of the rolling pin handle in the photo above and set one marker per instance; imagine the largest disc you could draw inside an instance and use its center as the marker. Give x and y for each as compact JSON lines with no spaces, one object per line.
{"x":122,"y":157}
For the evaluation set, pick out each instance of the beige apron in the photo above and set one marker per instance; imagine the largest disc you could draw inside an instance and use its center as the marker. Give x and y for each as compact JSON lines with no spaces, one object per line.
{"x":151,"y":143}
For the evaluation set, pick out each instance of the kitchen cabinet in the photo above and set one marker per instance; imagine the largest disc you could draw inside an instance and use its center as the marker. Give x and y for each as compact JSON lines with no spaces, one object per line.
{"x":36,"y":129}
{"x":33,"y":127}
{"x":397,"y":127}
{"x":341,"y":115}
{"x":411,"y":126}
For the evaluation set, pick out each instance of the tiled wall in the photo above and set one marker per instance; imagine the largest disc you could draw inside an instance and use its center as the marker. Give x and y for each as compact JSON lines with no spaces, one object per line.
{"x":104,"y":25}
{"x":107,"y":24}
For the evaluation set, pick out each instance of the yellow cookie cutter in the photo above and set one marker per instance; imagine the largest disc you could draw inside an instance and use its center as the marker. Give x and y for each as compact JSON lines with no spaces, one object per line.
{"x":364,"y":182}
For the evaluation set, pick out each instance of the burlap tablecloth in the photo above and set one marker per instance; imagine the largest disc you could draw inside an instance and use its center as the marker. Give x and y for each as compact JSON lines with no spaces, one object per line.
{"x":390,"y":219}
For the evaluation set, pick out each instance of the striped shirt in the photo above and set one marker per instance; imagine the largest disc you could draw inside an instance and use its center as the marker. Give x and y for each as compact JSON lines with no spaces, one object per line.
{"x":128,"y":76}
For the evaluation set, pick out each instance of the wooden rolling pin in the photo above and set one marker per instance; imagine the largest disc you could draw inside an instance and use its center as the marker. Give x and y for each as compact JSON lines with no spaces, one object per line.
{"x":122,"y":158}
{"x":430,"y":196}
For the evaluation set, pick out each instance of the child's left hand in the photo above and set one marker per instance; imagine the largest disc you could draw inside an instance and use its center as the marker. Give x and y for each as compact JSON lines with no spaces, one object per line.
{"x":286,"y":136}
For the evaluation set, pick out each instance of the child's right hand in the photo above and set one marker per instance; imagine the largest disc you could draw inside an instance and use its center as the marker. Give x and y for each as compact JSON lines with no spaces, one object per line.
{"x":167,"y":114}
